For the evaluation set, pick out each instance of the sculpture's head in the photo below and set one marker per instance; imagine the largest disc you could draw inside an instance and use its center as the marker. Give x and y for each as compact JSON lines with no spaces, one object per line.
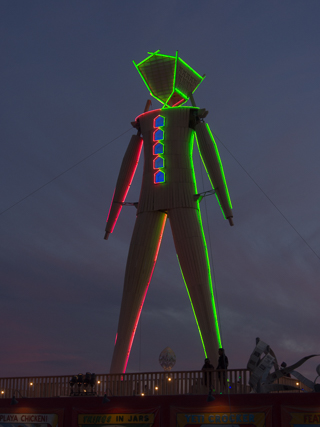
{"x":169,"y":79}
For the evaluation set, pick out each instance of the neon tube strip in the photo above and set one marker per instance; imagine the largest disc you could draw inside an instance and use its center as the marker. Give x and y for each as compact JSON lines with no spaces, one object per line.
{"x":194,"y":313}
{"x":145,"y":294}
{"x":221,"y":169}
{"x":220,"y":163}
{"x":207,"y":257}
{"x":110,"y":206}
{"x":128,"y":187}
{"x":210,"y":282}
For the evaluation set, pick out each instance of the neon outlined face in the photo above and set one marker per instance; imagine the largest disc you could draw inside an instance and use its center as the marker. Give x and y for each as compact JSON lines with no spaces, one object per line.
{"x":169,"y":79}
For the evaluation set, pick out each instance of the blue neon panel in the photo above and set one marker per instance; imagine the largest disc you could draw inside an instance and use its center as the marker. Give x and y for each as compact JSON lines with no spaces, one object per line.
{"x":159,"y":121}
{"x":158,"y":135}
{"x":159,"y":177}
{"x":158,"y":163}
{"x":158,"y":148}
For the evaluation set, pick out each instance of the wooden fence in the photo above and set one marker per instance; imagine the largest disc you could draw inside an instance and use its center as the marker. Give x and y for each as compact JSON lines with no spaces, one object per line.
{"x":233,"y":381}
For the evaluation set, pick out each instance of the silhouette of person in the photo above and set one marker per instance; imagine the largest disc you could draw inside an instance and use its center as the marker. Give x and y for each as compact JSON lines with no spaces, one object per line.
{"x":223,"y":364}
{"x":207,"y":368}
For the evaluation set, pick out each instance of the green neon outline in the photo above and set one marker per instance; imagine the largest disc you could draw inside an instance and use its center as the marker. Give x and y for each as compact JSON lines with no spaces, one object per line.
{"x":179,"y":106}
{"x":141,"y":75}
{"x":194,"y":313}
{"x":145,"y":82}
{"x":221,"y":170}
{"x":194,"y":71}
{"x":156,"y":143}
{"x":211,"y":291}
{"x":184,"y":106}
{"x":164,"y":121}
{"x":210,"y":281}
{"x":198,"y":84}
{"x":191,"y":143}
{"x":197,"y":75}
{"x":174,"y":80}
{"x":161,"y":167}
{"x":151,"y":54}
{"x":203,"y":162}
{"x":221,"y":167}
{"x":175,"y":71}
{"x":174,"y":89}
{"x":157,"y":129}
{"x":179,"y":92}
{"x":164,"y":177}
{"x":155,"y":53}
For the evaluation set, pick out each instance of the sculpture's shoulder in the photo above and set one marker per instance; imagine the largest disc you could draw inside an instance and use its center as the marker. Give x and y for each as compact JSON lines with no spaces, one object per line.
{"x":180,"y":116}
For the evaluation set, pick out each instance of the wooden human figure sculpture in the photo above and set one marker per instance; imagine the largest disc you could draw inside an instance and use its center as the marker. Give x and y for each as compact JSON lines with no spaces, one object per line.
{"x":168,"y":191}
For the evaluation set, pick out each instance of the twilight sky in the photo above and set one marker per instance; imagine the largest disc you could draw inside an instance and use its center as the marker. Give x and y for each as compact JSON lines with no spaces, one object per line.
{"x":69,"y":88}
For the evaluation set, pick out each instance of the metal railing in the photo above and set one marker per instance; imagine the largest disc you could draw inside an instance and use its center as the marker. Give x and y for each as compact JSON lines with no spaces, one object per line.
{"x":233,"y":381}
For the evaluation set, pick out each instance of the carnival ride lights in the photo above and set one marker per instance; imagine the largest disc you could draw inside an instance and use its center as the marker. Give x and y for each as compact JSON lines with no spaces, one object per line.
{"x":168,"y":191}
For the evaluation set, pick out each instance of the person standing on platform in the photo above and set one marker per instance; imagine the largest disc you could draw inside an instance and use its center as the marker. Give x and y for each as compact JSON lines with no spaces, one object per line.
{"x":207,"y":368}
{"x":223,"y":363}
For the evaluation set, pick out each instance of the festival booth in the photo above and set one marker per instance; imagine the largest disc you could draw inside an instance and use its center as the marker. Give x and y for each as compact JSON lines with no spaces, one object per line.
{"x":254,"y":410}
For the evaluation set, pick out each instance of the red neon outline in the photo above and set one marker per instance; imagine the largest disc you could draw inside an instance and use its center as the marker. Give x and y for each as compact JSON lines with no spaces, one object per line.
{"x":145,"y":294}
{"x":154,"y":177}
{"x":148,"y":112}
{"x":116,"y":219}
{"x":154,"y":121}
{"x":111,"y":205}
{"x":154,"y":163}
{"x":157,"y":142}
{"x":154,"y":135}
{"x":127,"y":189}
{"x":179,"y":102}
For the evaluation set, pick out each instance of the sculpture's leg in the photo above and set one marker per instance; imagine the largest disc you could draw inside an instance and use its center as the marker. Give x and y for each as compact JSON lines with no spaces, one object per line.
{"x":143,"y":252}
{"x":191,"y":249}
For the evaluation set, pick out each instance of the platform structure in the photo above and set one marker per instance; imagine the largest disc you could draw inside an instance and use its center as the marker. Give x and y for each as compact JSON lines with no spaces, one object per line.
{"x":254,"y":410}
{"x":231,"y":381}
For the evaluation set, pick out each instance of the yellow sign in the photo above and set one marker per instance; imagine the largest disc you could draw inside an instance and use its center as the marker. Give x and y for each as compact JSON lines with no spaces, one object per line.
{"x":116,"y":419}
{"x":24,"y":420}
{"x":256,"y":419}
{"x":305,"y":419}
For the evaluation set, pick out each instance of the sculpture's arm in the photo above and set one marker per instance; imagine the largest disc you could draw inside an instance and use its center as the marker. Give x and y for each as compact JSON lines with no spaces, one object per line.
{"x":126,"y":174}
{"x":212,"y":162}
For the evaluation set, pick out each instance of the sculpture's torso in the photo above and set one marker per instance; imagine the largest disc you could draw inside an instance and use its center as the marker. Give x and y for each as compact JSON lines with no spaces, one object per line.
{"x":179,"y":186}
